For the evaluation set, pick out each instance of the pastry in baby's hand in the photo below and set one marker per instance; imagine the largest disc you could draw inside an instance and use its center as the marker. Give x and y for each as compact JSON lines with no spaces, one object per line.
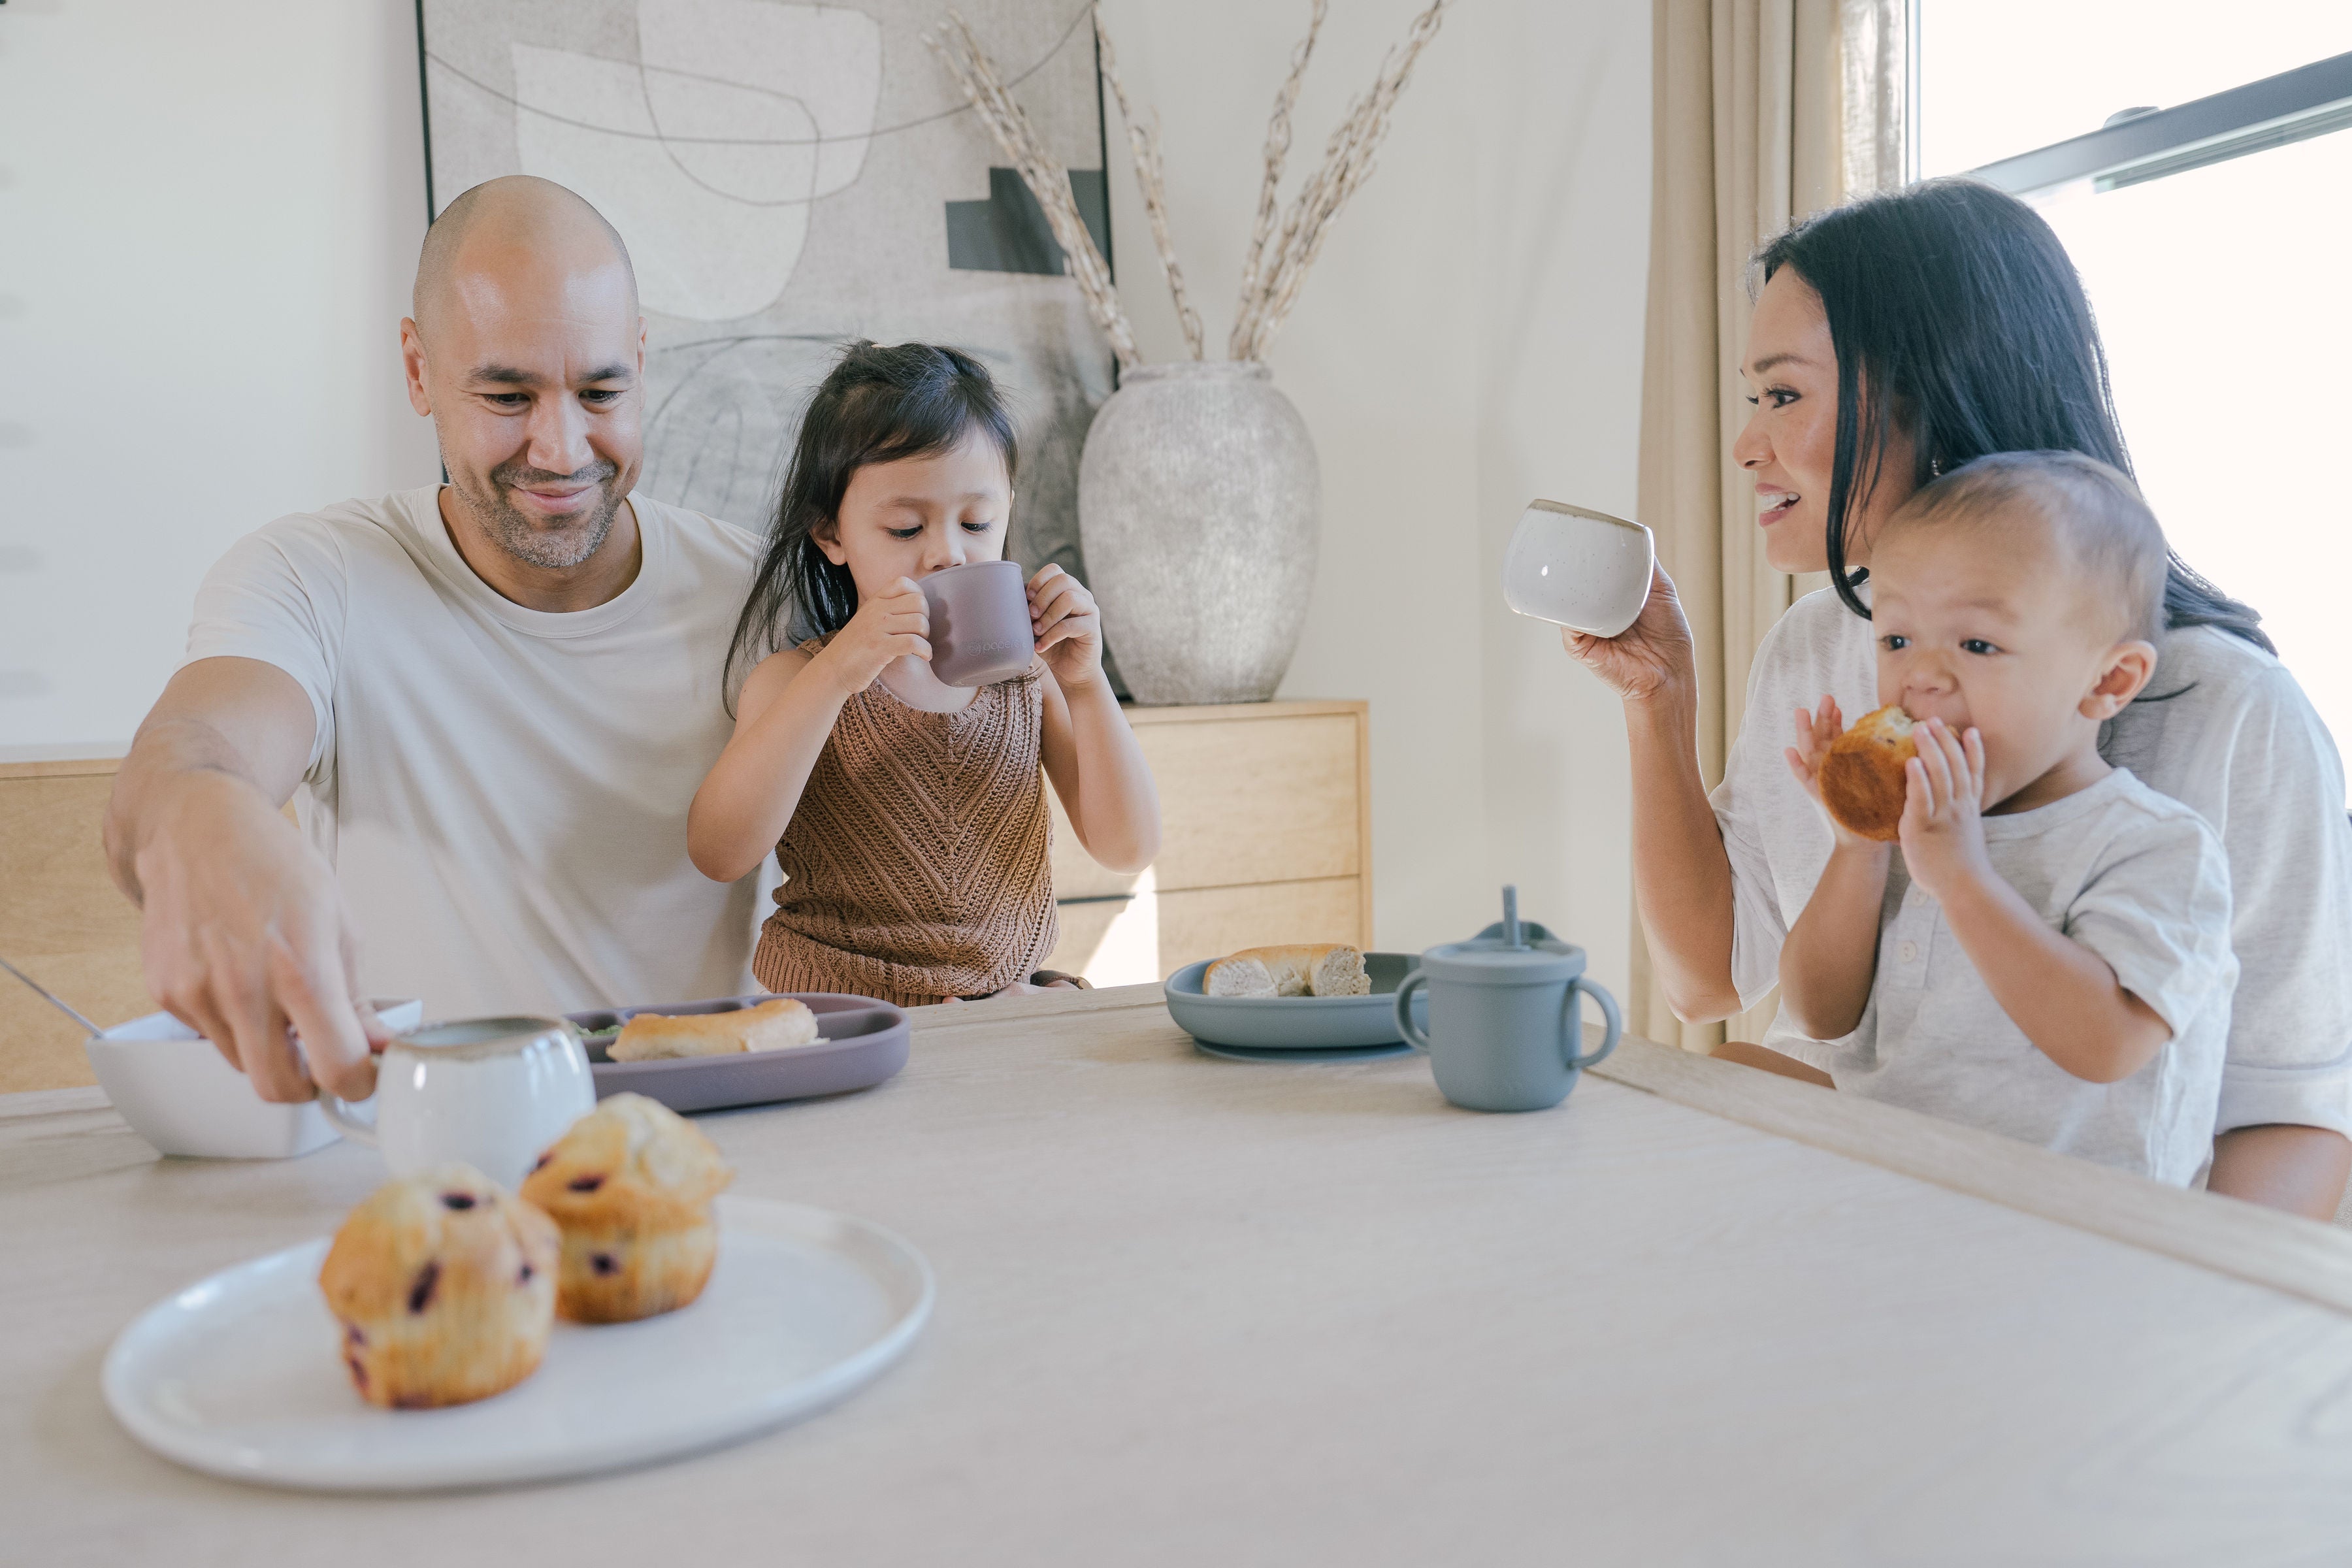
{"x":1861,"y":777}
{"x":631,"y":1185}
{"x":1305,"y":969}
{"x":780,"y":1025}
{"x":445,"y":1286}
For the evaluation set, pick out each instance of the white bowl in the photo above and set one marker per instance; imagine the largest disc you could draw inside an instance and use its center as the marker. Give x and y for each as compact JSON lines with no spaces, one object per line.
{"x":1583,"y":570}
{"x":180,"y":1094}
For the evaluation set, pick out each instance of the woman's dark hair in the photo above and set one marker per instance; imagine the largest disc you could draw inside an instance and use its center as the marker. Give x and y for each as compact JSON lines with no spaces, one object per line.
{"x":878,"y":405}
{"x":1956,"y":308}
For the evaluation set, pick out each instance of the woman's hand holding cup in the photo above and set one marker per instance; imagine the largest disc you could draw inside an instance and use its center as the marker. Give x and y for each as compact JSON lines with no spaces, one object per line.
{"x":887,"y":627}
{"x":1651,"y":657}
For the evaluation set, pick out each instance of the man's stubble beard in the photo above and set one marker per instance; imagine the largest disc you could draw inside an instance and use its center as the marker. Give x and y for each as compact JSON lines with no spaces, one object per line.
{"x":533,"y":544}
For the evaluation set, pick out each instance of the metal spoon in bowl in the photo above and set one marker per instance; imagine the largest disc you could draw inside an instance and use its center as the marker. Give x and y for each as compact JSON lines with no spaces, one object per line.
{"x":45,"y":995}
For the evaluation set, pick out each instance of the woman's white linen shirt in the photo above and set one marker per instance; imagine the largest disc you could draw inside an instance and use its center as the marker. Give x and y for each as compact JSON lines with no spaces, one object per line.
{"x":2241,"y":745}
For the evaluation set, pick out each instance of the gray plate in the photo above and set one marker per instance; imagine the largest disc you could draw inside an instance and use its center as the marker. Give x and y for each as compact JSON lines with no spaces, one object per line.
{"x":1295,"y":1023}
{"x":865,"y":1042}
{"x":1291,"y":1056}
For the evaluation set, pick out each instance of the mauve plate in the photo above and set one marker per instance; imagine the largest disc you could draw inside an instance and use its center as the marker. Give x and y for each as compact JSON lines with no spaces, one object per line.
{"x":1295,"y":1023}
{"x":865,"y":1042}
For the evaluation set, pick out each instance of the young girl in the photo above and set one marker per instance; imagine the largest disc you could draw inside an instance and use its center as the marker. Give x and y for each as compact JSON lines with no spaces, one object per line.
{"x":907,"y":815}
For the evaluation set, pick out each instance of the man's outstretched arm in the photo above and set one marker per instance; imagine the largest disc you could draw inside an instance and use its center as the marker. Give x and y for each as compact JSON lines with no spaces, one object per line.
{"x":242,"y":931}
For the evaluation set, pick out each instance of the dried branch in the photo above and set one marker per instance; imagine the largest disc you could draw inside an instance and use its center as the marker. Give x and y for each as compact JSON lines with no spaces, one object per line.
{"x":1277,"y":149}
{"x":1278,"y":262}
{"x":1348,"y":163}
{"x":1047,"y":180}
{"x":1144,"y":143}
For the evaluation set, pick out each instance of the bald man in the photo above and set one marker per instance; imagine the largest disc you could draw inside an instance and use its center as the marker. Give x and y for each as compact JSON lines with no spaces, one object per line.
{"x":495,"y":697}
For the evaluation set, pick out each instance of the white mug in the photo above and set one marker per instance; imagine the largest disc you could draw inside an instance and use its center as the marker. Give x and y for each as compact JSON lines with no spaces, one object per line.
{"x":1583,"y":570}
{"x":493,"y":1092}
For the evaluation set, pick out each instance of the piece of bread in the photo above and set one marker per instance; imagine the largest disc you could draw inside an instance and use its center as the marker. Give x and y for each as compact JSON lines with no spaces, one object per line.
{"x":1861,"y":778}
{"x":631,"y":1185}
{"x":1302,"y":969}
{"x":777,"y":1026}
{"x":445,"y":1285}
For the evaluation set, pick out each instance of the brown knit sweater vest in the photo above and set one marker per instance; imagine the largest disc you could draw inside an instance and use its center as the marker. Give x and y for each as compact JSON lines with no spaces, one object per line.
{"x":918,"y":863}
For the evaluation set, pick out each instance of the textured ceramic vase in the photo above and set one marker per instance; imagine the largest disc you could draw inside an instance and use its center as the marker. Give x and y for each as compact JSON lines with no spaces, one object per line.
{"x":1198,"y":510}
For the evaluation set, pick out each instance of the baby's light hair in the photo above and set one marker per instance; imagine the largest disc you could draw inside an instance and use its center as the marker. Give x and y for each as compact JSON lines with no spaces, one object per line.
{"x":2091,"y":512}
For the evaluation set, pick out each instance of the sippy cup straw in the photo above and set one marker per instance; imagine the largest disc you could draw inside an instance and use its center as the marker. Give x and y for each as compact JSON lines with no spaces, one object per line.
{"x":1511,"y":916}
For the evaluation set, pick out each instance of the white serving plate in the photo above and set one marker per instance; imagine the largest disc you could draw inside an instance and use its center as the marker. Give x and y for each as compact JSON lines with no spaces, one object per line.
{"x":238,"y":1375}
{"x":178,"y":1092}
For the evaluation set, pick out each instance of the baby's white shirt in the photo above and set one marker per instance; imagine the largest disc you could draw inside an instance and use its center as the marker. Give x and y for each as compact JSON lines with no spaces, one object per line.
{"x":2139,"y":880}
{"x":2230,"y":735}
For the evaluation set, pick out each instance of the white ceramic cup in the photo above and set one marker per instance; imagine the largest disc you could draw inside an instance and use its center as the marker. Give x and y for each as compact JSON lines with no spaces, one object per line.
{"x":1583,"y":570}
{"x":493,"y":1092}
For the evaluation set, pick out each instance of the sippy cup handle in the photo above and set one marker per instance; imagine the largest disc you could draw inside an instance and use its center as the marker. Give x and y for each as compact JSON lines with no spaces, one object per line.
{"x":1413,"y":1037}
{"x":1615,"y":1025}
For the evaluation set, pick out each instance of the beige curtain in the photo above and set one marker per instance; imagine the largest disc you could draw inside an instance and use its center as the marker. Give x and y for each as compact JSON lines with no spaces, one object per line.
{"x":1762,"y":112}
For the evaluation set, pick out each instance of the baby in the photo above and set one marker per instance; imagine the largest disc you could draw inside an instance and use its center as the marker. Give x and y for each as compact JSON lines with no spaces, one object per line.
{"x":2048,"y":957}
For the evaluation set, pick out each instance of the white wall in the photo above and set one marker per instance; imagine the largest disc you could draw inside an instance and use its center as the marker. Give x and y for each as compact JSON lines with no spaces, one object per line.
{"x":1470,"y":337}
{"x":209,"y":214}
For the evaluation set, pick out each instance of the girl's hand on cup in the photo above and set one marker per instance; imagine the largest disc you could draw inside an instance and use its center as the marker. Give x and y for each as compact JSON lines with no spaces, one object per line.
{"x":1652,"y":656}
{"x":887,"y":627}
{"x":1068,"y":626}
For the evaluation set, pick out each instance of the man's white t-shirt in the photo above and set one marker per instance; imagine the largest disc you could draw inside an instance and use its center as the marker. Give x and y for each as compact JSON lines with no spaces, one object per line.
{"x":2139,"y":880}
{"x":503,"y":791}
{"x":2239,"y":746}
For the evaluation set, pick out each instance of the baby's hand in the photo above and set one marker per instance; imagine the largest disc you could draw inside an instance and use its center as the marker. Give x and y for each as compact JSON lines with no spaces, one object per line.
{"x":1814,"y":734}
{"x":1815,"y":731}
{"x":1943,"y":822}
{"x":889,"y":626}
{"x":1068,"y":626}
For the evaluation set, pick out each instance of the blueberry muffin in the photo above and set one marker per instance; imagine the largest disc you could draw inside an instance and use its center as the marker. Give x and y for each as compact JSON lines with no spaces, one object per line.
{"x":444,"y":1287}
{"x":631,"y":1185}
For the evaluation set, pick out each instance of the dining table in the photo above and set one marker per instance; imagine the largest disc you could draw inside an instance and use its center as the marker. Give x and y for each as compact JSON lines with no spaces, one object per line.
{"x":1203,"y":1311}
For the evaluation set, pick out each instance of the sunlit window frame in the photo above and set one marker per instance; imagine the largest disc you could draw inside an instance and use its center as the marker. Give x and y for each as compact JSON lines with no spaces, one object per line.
{"x":2309,"y":100}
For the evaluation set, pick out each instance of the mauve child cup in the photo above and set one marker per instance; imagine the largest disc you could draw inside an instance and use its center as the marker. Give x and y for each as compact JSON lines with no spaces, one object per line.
{"x":980,"y":622}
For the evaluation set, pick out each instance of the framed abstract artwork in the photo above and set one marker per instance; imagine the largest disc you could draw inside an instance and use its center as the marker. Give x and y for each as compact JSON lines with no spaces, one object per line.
{"x":789,"y":177}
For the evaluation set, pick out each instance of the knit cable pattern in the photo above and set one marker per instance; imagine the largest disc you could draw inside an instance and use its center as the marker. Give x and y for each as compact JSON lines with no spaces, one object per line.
{"x":918,"y":863}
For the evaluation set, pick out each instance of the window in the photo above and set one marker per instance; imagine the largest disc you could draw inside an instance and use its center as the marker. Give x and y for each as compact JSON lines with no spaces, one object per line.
{"x":2215,"y":241}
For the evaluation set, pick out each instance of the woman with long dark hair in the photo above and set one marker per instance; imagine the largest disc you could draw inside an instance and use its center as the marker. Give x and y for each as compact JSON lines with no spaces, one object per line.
{"x":1895,"y":339}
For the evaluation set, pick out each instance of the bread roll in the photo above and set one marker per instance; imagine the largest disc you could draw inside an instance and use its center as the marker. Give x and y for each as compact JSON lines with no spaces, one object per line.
{"x":1303,"y":969}
{"x":1861,"y":778}
{"x":778,"y":1026}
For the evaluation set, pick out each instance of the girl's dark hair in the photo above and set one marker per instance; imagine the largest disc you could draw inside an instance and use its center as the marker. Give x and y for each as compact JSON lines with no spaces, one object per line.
{"x":1955,"y":305}
{"x":878,"y":405}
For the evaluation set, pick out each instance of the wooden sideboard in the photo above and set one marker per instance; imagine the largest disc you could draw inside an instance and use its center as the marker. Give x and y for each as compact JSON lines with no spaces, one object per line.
{"x":61,"y":921}
{"x":1267,"y":837}
{"x":1266,"y":825}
